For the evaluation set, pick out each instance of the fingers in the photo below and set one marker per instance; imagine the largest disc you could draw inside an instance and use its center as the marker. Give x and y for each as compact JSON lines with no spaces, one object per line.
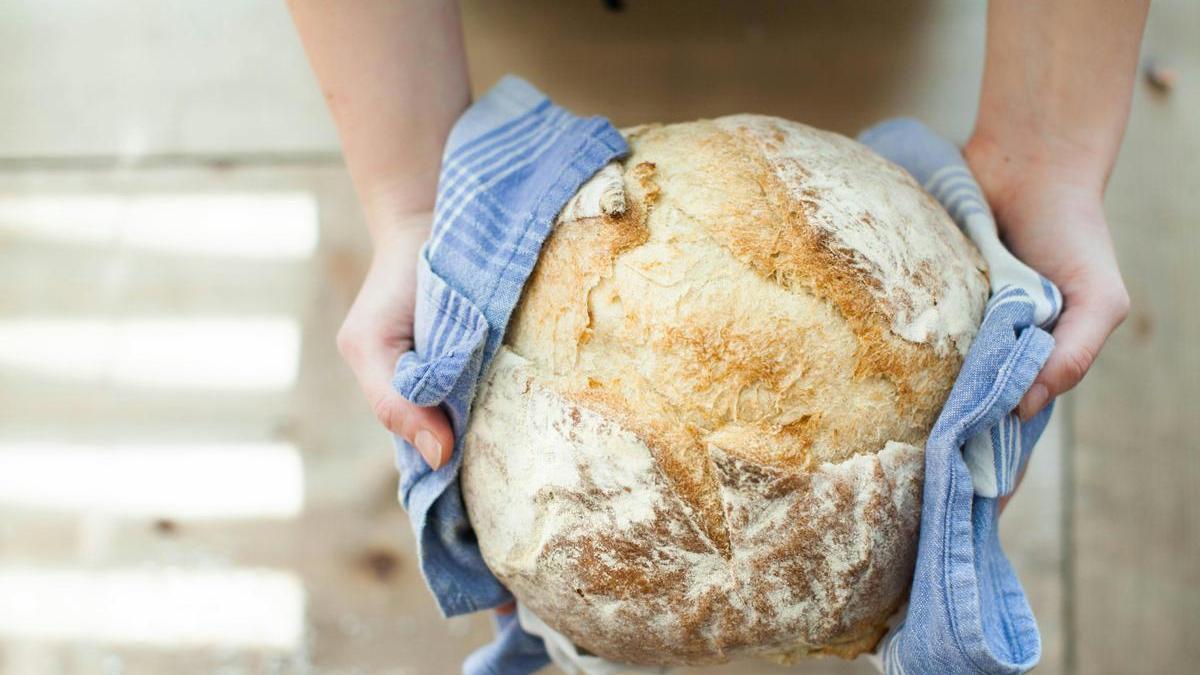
{"x":373,"y":359}
{"x":378,"y":328}
{"x":427,"y":429}
{"x":506,"y":608}
{"x":1089,"y":319}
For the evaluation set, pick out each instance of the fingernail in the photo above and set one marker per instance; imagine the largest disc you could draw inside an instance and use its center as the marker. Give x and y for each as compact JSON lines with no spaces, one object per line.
{"x":427,"y":444}
{"x":1033,"y":401}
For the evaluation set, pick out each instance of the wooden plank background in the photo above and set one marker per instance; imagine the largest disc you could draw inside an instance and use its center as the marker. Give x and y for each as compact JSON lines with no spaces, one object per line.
{"x":169,"y":96}
{"x":1135,"y":577}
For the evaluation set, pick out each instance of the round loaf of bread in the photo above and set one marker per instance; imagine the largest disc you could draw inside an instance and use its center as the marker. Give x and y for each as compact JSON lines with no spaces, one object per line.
{"x":703,"y":437}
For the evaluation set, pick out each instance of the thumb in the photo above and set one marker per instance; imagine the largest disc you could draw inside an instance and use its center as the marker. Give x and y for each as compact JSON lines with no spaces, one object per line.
{"x":425,"y":428}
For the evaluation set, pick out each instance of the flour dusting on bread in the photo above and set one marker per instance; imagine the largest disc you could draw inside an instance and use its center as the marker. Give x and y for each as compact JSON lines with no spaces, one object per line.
{"x":874,"y":211}
{"x":702,"y":437}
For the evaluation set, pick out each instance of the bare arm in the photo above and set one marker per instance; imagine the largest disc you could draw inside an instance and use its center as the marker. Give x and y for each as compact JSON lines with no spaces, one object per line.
{"x":394,"y":76}
{"x":1057,"y":84}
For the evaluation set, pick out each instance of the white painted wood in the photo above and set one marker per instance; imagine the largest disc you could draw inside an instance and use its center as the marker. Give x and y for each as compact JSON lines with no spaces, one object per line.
{"x":155,"y":77}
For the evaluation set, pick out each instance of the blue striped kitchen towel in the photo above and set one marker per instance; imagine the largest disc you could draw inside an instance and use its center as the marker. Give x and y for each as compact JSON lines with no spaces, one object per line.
{"x":511,"y":162}
{"x":967,"y":612}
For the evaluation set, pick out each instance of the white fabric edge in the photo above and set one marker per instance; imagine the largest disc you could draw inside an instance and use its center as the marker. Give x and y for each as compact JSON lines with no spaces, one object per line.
{"x":564,"y":654}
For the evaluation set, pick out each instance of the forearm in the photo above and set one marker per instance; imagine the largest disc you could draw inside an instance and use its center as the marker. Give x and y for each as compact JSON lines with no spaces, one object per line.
{"x":1057,"y":82}
{"x":394,"y":76}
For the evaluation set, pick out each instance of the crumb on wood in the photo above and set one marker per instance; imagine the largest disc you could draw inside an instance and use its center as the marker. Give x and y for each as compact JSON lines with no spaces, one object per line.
{"x":1160,"y":76}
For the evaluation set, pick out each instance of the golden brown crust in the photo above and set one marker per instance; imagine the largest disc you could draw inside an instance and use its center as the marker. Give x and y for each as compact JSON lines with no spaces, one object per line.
{"x":598,"y":544}
{"x":798,"y":255}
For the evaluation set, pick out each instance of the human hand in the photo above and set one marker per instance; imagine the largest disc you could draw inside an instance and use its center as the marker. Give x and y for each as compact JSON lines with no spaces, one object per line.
{"x":1050,"y":214}
{"x":379,"y":327}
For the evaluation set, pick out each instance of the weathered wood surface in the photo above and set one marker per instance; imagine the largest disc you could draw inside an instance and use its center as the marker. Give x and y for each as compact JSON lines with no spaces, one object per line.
{"x":1116,"y":591}
{"x":1136,"y":544}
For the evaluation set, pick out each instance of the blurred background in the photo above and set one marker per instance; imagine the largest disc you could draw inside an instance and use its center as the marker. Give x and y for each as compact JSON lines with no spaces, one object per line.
{"x":189,"y":481}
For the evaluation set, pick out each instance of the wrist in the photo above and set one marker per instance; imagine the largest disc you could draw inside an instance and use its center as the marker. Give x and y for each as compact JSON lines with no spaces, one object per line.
{"x":393,"y":208}
{"x":406,"y":230}
{"x":1008,"y":162}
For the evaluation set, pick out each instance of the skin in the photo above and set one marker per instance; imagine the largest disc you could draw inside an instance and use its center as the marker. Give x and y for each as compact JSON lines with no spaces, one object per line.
{"x":394,"y":75}
{"x":1055,"y":99}
{"x":1057,"y":83}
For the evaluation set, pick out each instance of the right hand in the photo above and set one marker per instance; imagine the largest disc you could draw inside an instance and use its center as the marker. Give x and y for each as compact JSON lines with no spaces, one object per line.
{"x":379,"y":328}
{"x":1051,"y":215}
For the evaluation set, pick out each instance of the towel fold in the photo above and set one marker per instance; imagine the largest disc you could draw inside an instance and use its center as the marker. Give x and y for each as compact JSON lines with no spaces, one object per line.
{"x":511,"y":162}
{"x":967,"y":612}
